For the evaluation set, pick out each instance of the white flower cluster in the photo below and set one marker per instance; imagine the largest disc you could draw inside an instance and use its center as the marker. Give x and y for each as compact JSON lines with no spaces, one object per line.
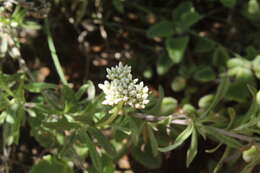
{"x":8,"y":4}
{"x":123,"y":88}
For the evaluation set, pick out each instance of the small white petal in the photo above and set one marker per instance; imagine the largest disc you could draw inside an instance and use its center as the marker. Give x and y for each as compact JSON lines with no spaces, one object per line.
{"x":146,"y":102}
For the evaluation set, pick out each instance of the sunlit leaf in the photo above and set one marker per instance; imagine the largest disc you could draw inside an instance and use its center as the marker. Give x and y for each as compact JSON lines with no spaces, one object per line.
{"x":176,"y":48}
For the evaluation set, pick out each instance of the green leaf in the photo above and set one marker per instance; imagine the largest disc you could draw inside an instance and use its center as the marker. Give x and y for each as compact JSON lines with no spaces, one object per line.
{"x":229,"y":3}
{"x":251,"y":153}
{"x":222,"y":160}
{"x":238,"y":91}
{"x":221,"y":91}
{"x":178,"y":84}
{"x":136,"y":127}
{"x":188,"y":19}
{"x":250,"y":166}
{"x":51,"y":164}
{"x":182,"y":9}
{"x":14,"y":119}
{"x":238,"y":62}
{"x":205,"y":101}
{"x":146,"y":158}
{"x":88,"y":88}
{"x":119,"y":6}
{"x":253,"y":6}
{"x":37,"y":87}
{"x":193,"y":150}
{"x":176,"y":48}
{"x":256,"y":66}
{"x":179,"y":140}
{"x":60,"y":125}
{"x":168,"y":106}
{"x":163,"y":64}
{"x":204,"y":44}
{"x":92,"y":150}
{"x":81,"y":10}
{"x":156,"y":108}
{"x":103,"y":141}
{"x":3,"y":116}
{"x":205,"y":74}
{"x":109,"y":166}
{"x":251,"y":52}
{"x":220,"y":57}
{"x":153,"y":141}
{"x":216,"y":135}
{"x":185,"y":16}
{"x":82,"y":90}
{"x":68,"y":94}
{"x":91,"y":90}
{"x":148,"y":73}
{"x":258,"y":97}
{"x":161,"y":29}
{"x":189,"y":109}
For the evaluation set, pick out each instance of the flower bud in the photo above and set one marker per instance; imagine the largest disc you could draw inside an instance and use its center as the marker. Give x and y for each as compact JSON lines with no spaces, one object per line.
{"x":250,"y":154}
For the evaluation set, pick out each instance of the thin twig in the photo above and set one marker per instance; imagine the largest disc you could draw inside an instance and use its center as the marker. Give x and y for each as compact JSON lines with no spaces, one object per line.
{"x":177,"y":118}
{"x":235,"y":135}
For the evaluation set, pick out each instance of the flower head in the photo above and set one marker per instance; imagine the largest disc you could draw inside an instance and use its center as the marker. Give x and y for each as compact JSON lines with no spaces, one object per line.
{"x":122,"y":88}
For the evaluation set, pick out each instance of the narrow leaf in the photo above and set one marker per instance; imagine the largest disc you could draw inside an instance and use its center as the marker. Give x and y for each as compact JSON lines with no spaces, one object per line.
{"x":193,"y":150}
{"x":103,"y":141}
{"x":153,"y":141}
{"x":221,"y":91}
{"x":179,"y":140}
{"x":37,"y":87}
{"x":92,"y":151}
{"x":222,"y":138}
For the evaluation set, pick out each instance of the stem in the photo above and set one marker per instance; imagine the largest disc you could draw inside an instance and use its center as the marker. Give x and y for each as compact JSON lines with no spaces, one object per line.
{"x":177,"y":120}
{"x":235,"y":135}
{"x":221,"y":161}
{"x":54,"y":53}
{"x":113,"y":116}
{"x":110,"y":120}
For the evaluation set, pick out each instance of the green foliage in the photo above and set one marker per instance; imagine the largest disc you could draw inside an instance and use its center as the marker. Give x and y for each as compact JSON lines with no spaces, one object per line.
{"x":179,"y":140}
{"x":204,"y":74}
{"x":51,"y":164}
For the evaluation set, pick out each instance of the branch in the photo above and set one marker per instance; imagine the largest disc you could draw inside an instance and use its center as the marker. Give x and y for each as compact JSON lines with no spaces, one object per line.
{"x":176,"y":118}
{"x":181,"y":119}
{"x":235,"y":135}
